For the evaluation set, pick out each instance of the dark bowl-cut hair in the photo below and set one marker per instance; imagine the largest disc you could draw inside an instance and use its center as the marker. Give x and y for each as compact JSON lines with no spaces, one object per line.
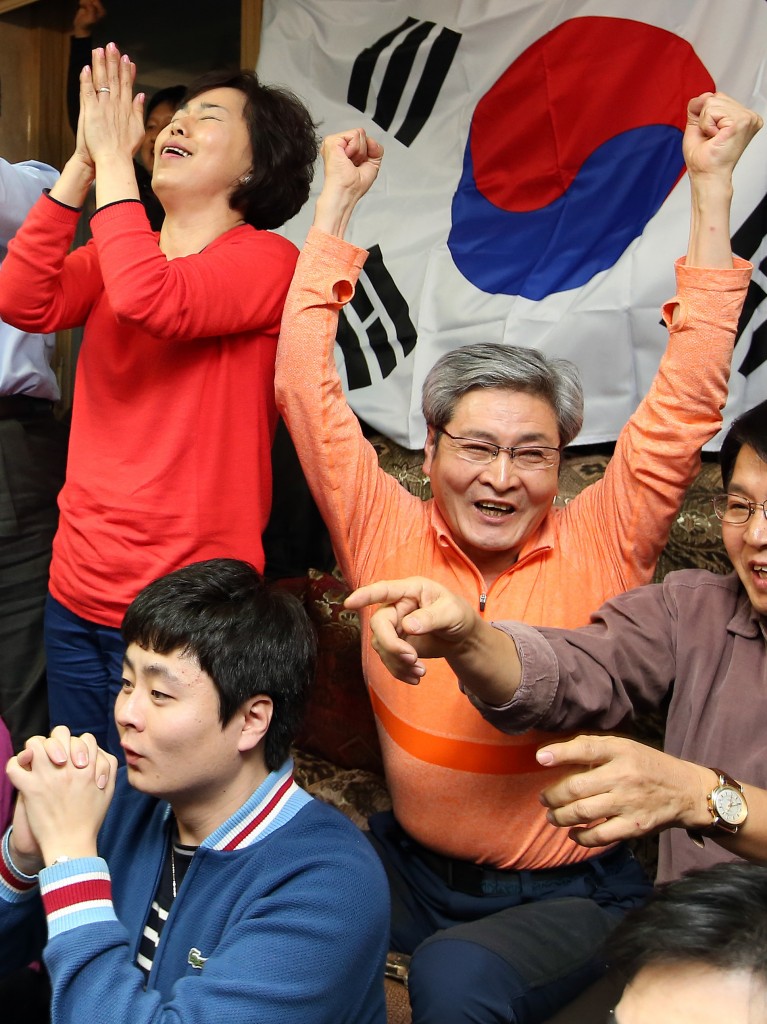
{"x":283,"y":143}
{"x":173,"y":95}
{"x":716,"y":917}
{"x":750,"y":428}
{"x":249,"y":637}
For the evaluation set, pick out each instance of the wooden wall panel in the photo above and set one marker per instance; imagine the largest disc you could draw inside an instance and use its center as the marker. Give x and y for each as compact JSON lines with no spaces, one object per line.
{"x":34,"y":49}
{"x":11,"y":5}
{"x":19,"y":87}
{"x":250,"y":32}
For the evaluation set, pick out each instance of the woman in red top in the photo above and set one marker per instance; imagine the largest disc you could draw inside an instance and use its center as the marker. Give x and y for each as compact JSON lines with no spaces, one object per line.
{"x":173,"y":412}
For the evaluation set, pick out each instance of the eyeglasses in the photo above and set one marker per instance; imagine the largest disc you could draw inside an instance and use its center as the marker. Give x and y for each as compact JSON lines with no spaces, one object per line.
{"x":735,"y":509}
{"x":524,"y":456}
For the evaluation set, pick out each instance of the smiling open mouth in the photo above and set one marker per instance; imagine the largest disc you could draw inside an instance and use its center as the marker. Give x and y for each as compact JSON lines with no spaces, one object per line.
{"x":489,"y":508}
{"x":175,"y":150}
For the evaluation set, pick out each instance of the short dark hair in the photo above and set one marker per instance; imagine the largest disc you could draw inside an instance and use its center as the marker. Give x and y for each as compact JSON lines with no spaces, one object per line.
{"x":283,"y":143}
{"x":717,"y":916}
{"x":173,"y":95}
{"x":750,"y":428}
{"x":249,"y":637}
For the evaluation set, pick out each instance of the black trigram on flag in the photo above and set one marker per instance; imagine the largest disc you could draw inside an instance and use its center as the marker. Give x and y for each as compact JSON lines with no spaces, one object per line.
{"x":376,"y":319}
{"x":746,"y":242}
{"x":417,"y":57}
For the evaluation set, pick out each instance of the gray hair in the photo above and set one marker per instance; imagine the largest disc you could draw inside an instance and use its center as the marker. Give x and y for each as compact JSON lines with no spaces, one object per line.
{"x":489,"y":365}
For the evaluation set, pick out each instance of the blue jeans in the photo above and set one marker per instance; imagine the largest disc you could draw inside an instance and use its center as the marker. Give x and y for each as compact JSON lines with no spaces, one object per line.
{"x":517,"y":951}
{"x":84,"y":674}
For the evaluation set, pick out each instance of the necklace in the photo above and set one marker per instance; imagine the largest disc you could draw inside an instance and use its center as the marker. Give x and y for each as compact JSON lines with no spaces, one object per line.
{"x":173,"y":869}
{"x":185,"y":853}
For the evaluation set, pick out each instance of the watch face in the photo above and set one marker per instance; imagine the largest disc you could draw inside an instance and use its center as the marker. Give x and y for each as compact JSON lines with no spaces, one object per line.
{"x":729,"y":805}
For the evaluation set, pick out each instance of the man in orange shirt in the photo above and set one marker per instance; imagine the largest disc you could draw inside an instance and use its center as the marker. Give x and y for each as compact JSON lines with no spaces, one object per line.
{"x":468,"y":847}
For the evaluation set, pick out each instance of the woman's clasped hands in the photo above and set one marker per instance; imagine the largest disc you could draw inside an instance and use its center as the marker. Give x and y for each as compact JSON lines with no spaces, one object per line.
{"x":111,"y":123}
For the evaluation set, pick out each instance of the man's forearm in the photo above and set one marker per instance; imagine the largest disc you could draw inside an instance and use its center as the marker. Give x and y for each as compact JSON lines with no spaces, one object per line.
{"x":333,"y":212}
{"x":487,"y":664}
{"x":710,"y":200}
{"x":718,"y":131}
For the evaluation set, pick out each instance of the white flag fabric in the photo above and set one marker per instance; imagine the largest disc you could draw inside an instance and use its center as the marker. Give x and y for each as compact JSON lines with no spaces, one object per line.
{"x":532,"y":189}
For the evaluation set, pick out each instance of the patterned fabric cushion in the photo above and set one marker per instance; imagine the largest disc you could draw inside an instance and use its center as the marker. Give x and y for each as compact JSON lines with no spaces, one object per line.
{"x":339,"y":724}
{"x":404,"y":464}
{"x":356,"y":792}
{"x":695,"y":541}
{"x":696,"y":537}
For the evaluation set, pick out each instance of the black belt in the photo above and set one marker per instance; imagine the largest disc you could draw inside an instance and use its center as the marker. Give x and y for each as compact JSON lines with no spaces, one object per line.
{"x":467,"y":877}
{"x":19,"y":407}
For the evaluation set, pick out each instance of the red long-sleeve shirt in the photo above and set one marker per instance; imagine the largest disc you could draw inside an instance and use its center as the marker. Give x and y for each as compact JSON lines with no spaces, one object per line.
{"x":174,"y":412}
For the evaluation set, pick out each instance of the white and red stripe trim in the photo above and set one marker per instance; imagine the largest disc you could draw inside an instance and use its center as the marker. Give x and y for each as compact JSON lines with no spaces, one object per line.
{"x":275,"y":801}
{"x":14,"y":884}
{"x":75,"y":893}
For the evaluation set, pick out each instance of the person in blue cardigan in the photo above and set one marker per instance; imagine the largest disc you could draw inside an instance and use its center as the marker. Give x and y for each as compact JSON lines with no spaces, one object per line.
{"x":198,"y":882}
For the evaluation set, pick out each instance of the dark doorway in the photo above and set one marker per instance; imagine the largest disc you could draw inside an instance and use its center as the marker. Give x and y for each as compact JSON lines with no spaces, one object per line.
{"x":173,"y":41}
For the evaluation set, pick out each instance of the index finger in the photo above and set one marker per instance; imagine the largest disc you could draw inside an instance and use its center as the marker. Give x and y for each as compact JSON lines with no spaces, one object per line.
{"x":355,"y":144}
{"x":83,"y":750}
{"x":583,"y":750}
{"x":364,"y":147}
{"x":98,"y":72}
{"x":346,"y":142}
{"x":388,"y":592}
{"x":722,"y":115}
{"x":56,"y":747}
{"x":127,"y":76}
{"x":695,"y":105}
{"x":106,"y":768}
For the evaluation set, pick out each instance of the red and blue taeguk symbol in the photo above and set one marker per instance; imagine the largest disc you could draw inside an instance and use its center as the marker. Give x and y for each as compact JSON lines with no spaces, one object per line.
{"x":570,"y":154}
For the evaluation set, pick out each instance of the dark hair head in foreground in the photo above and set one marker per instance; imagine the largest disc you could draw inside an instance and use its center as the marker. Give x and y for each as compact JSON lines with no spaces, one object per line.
{"x":247,"y":636}
{"x":716,"y":917}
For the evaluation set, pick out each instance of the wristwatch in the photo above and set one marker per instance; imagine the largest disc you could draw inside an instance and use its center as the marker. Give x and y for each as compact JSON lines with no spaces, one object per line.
{"x":727,"y":806}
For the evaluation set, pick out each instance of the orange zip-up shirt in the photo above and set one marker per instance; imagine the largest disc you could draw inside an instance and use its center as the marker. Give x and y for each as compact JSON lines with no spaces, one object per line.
{"x":458,"y":785}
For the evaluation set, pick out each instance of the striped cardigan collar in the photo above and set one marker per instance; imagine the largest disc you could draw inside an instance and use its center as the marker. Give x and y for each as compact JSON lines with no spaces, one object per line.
{"x":275,"y":802}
